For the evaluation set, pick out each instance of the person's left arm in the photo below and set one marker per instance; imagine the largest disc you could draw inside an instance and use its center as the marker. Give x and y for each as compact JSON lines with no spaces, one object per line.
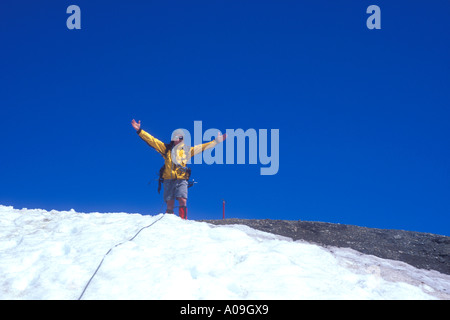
{"x":202,"y":147}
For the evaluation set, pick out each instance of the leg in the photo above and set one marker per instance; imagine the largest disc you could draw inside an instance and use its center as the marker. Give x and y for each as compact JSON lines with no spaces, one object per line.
{"x":182,"y":202}
{"x":169,"y":190}
{"x":182,"y":210}
{"x":170,"y":206}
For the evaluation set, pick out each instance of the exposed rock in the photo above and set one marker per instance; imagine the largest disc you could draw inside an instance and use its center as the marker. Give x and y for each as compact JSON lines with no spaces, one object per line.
{"x":421,"y":250}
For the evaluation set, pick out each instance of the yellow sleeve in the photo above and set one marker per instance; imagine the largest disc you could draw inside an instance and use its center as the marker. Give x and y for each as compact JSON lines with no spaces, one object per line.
{"x":202,"y":147}
{"x":152,"y":141}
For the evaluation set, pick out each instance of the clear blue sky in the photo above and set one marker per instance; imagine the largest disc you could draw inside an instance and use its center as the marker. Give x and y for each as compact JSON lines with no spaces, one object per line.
{"x":363,"y":114}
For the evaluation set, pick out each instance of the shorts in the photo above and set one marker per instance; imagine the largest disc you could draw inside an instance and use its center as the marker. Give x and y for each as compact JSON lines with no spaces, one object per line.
{"x":175,"y":188}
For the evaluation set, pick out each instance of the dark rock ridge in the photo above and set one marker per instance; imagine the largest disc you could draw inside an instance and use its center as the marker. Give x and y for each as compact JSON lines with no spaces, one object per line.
{"x":421,"y":250}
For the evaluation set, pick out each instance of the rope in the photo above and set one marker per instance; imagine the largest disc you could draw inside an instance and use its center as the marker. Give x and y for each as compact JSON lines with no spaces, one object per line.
{"x":95,"y":272}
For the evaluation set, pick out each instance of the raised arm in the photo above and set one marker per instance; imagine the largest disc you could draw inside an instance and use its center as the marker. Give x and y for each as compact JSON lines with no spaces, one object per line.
{"x":151,"y":141}
{"x":202,"y":147}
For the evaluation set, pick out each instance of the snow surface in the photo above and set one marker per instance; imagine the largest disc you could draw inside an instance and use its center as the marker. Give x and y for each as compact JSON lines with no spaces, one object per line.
{"x":53,"y":254}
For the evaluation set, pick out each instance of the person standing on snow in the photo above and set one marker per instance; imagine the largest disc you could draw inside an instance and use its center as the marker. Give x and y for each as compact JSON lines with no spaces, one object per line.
{"x":174,"y":172}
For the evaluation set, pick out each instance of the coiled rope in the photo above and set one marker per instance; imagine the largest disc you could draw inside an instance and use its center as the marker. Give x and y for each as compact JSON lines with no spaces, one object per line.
{"x":100,"y":264}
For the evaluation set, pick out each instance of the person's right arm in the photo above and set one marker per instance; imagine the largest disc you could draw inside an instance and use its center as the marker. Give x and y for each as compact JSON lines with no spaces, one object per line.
{"x":151,"y":140}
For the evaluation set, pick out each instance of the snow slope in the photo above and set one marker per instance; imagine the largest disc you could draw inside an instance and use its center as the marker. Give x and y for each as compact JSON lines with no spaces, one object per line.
{"x":53,"y":254}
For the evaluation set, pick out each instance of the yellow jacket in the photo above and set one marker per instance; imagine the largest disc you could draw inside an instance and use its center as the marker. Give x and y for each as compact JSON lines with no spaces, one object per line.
{"x":174,"y":169}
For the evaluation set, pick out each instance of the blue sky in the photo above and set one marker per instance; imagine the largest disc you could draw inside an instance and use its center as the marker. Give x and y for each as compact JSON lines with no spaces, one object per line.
{"x":363,"y":114}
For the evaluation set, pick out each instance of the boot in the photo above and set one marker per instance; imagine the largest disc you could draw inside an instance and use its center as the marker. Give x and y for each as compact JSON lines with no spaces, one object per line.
{"x":182,"y":211}
{"x":169,"y":211}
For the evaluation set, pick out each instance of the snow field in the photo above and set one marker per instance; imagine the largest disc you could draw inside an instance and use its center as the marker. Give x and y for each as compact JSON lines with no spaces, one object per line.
{"x":53,"y":254}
